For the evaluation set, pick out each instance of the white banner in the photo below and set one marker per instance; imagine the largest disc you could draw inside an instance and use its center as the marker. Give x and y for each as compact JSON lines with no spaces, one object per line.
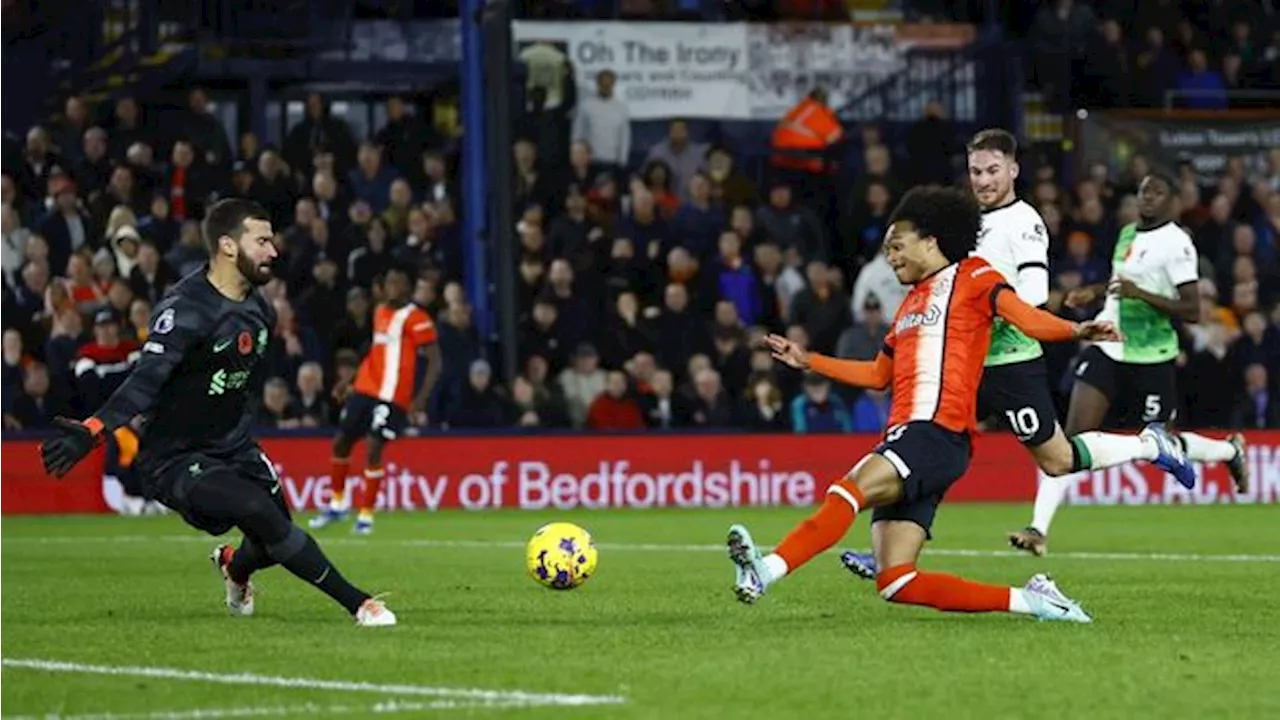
{"x":727,"y":71}
{"x":664,"y":69}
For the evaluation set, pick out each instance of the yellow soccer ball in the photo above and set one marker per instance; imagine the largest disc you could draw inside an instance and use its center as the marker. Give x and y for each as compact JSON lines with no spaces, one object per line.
{"x":561,"y":556}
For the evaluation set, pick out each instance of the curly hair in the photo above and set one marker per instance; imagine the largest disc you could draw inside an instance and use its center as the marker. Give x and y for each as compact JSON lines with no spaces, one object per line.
{"x":950,"y":215}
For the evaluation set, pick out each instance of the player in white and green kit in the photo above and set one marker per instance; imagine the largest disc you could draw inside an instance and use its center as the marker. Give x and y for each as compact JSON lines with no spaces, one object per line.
{"x":1155,"y":276}
{"x":1015,"y":384}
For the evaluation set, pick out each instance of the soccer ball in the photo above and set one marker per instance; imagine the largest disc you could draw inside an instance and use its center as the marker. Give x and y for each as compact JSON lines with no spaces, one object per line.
{"x":561,"y":556}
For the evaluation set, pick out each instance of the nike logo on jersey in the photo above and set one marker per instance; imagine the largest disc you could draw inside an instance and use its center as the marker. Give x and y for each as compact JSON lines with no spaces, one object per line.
{"x":223,"y":345}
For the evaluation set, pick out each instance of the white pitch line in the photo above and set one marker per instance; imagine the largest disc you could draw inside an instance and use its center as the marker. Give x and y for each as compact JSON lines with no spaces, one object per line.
{"x":386,"y":706}
{"x":665,"y":547}
{"x":520,"y":697}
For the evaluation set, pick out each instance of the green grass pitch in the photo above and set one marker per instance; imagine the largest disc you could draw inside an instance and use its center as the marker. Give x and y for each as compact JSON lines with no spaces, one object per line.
{"x":1187,"y":623}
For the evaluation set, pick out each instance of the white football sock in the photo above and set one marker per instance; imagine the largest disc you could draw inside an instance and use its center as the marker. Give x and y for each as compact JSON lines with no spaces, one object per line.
{"x":1205,"y":449}
{"x":1049,"y":496}
{"x":1109,"y":449}
{"x":1018,"y":602}
{"x":776,"y":568}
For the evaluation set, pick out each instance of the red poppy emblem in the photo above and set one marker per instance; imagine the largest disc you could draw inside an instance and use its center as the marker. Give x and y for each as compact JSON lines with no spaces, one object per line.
{"x":245,"y":343}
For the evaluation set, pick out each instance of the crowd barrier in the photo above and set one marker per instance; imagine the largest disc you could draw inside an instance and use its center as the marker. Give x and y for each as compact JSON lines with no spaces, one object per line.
{"x":636,"y":471}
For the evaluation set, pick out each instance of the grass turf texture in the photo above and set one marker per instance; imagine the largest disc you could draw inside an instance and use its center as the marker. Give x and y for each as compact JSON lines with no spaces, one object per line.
{"x":1182,"y":637}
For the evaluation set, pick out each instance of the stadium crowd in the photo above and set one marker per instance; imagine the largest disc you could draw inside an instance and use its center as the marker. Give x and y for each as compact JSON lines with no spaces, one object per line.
{"x":646,"y":276}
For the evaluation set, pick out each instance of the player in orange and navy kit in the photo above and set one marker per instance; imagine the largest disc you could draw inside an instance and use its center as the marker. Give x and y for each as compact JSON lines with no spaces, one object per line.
{"x":383,"y":401}
{"x":932,"y":358}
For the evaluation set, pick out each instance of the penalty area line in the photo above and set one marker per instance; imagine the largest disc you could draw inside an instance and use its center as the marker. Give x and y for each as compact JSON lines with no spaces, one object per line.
{"x":665,"y":547}
{"x":310,"y":709}
{"x":474,"y":695}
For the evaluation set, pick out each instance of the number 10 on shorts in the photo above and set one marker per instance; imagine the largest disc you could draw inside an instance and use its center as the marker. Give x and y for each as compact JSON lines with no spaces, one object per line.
{"x":1024,"y":422}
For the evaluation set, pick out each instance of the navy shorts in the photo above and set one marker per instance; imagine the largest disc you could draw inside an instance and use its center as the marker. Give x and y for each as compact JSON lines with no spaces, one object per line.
{"x":929,"y":459}
{"x":1139,"y":394}
{"x":366,"y":415}
{"x":1017,"y":396}
{"x":176,"y":480}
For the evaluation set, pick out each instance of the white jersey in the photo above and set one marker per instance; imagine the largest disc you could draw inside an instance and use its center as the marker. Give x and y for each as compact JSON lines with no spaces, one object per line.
{"x":1014,"y":240}
{"x":1157,"y":260}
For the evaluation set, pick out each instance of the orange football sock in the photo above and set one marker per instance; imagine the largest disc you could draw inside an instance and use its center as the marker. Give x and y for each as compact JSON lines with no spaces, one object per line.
{"x":369,"y":491}
{"x":905,"y":584}
{"x":338,"y":481}
{"x":824,"y":527}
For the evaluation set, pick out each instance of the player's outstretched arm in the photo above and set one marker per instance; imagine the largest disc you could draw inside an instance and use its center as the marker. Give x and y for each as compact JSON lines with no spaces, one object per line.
{"x":860,"y":373}
{"x":176,"y":327}
{"x":1047,"y":327}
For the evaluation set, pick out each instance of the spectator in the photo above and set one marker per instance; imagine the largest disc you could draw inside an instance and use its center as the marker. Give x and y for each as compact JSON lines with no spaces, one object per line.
{"x":275,"y":411}
{"x":791,"y":226}
{"x":698,"y":222}
{"x":405,"y":138}
{"x":13,"y":250}
{"x":817,"y":410}
{"x":613,"y":409}
{"x":72,"y":127}
{"x":871,"y":411}
{"x":1202,"y":88}
{"x":1260,"y":407}
{"x":711,"y":407}
{"x":480,"y":405}
{"x":102,"y":365}
{"x":371,"y":181}
{"x":533,"y":187}
{"x":536,"y":407}
{"x":189,"y":184}
{"x":625,"y":335}
{"x":92,"y":169}
{"x":685,"y":157}
{"x":823,"y":313}
{"x":582,"y":382}
{"x":206,"y":132}
{"x":319,"y":133}
{"x":604,"y":123}
{"x":38,"y":404}
{"x":310,"y":406}
{"x":663,"y":409}
{"x":864,"y":339}
{"x":736,"y":280}
{"x":730,"y":187}
{"x":762,"y":407}
{"x":150,"y":277}
{"x":66,"y":227}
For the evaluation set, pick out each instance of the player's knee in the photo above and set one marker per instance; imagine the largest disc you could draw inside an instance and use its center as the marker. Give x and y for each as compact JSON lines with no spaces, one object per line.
{"x":1055,"y":465}
{"x":286,"y":547}
{"x":342,"y":446}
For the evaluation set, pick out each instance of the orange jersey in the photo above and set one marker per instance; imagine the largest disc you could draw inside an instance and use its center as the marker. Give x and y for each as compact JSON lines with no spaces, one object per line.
{"x":389,"y":369}
{"x":938,"y":342}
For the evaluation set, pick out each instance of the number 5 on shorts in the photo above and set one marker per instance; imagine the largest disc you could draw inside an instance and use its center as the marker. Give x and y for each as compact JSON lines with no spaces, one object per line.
{"x":381,"y":413}
{"x":1151,"y":409}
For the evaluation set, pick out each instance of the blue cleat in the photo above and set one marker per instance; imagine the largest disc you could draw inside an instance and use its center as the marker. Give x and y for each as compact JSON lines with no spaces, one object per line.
{"x":1170,"y":456}
{"x":327,"y":517}
{"x":1048,"y":603}
{"x":861,"y":564}
{"x":363,"y":526}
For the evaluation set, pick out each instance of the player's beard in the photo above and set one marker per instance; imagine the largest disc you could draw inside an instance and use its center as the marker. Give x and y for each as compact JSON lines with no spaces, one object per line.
{"x":256,"y":275}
